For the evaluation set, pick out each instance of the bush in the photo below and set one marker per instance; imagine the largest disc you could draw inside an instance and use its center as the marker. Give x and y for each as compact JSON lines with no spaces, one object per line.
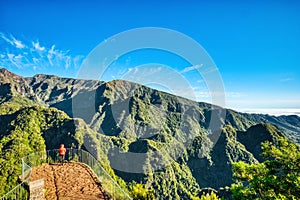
{"x":276,"y":178}
{"x":211,"y":196}
{"x":139,"y":192}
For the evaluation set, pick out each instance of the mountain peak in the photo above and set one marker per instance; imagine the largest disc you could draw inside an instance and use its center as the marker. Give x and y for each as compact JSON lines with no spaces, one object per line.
{"x":12,"y":84}
{"x":7,"y":76}
{"x":3,"y":70}
{"x":44,"y":76}
{"x":6,"y":72}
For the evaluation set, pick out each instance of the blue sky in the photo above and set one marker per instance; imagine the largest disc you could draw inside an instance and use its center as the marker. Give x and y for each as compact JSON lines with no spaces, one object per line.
{"x":254,"y":44}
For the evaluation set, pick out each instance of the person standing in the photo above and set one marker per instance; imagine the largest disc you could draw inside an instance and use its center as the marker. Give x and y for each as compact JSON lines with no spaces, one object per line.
{"x":62,"y":152}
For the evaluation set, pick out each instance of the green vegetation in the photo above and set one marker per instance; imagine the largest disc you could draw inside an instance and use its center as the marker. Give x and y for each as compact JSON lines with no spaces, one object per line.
{"x":22,"y":132}
{"x":36,"y":113}
{"x":208,"y":196}
{"x":14,"y":104}
{"x":27,"y":128}
{"x":276,"y":178}
{"x":139,"y":192}
{"x":23,"y":138}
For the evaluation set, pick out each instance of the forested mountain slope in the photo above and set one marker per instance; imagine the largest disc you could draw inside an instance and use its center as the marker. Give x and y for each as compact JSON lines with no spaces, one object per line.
{"x":105,"y":117}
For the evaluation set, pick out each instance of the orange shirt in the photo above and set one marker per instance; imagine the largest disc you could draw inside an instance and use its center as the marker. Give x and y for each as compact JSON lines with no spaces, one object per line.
{"x":62,"y":151}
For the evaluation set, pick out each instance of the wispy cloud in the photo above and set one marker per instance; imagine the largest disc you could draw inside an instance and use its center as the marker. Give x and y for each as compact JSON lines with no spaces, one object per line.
{"x":187,"y":69}
{"x":12,"y":41}
{"x":133,"y":70}
{"x":19,"y":44}
{"x":31,"y":54}
{"x":286,"y":79}
{"x":37,"y":46}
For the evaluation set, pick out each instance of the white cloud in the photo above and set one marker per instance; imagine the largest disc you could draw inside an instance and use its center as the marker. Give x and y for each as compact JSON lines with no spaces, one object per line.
{"x":19,"y":44}
{"x":68,"y":62}
{"x":27,"y":54}
{"x":5,"y":38}
{"x":12,"y":41}
{"x":273,"y":111}
{"x":13,"y":59}
{"x":37,"y":46}
{"x":18,"y":57}
{"x":35,"y":60}
{"x":10,"y":56}
{"x":187,"y":69}
{"x":133,"y":70}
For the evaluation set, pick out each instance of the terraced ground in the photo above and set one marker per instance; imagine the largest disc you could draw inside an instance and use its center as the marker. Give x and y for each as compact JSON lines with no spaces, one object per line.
{"x":69,"y":181}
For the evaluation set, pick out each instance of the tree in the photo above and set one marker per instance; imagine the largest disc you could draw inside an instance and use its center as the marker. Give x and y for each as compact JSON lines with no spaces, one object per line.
{"x":139,"y":192}
{"x":211,"y":196}
{"x":276,"y":178}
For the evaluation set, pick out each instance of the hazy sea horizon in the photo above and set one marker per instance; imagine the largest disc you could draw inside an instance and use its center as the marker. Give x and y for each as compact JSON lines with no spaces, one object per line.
{"x":273,"y":111}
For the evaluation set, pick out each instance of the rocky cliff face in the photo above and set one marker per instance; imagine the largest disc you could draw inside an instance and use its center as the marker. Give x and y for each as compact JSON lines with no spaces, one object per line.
{"x":12,"y":84}
{"x":130,"y":119}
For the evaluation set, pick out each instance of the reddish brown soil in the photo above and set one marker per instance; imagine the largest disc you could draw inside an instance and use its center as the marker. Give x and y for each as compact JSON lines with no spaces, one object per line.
{"x":69,"y":181}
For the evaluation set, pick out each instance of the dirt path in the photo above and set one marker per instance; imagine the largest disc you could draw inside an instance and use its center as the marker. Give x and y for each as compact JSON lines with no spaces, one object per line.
{"x":69,"y":181}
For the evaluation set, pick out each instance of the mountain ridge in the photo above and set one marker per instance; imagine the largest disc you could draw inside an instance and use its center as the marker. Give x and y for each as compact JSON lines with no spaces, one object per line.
{"x":132,"y":118}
